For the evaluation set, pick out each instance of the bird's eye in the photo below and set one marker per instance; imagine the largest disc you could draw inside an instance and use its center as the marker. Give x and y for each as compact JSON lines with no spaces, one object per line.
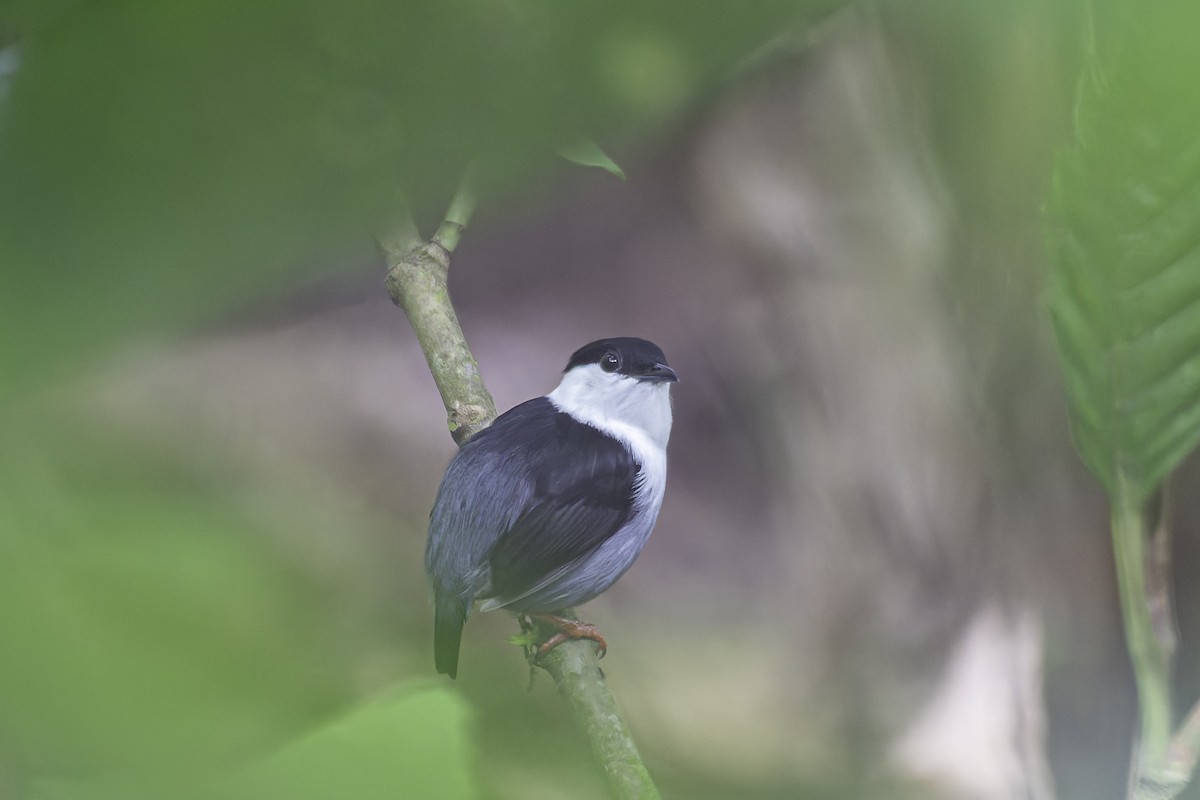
{"x":610,"y":362}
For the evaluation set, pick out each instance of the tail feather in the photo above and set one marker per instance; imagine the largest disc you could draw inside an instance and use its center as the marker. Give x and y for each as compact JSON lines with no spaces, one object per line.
{"x":450,"y":612}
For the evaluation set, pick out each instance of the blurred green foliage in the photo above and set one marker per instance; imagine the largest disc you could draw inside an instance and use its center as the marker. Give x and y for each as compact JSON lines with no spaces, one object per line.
{"x":163,"y":161}
{"x":1125,"y":242}
{"x":145,"y":623}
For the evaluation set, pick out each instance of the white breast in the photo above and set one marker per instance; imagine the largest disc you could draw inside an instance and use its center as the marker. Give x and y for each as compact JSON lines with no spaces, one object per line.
{"x":636,"y":413}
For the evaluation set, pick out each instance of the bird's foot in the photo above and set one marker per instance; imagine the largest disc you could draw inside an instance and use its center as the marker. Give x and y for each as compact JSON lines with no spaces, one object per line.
{"x":569,"y":629}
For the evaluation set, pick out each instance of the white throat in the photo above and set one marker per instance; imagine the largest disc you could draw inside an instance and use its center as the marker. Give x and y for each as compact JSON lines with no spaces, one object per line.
{"x":638,"y":413}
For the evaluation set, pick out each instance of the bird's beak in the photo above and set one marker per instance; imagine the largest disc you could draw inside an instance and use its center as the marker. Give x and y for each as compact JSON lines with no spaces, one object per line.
{"x":659,"y":373}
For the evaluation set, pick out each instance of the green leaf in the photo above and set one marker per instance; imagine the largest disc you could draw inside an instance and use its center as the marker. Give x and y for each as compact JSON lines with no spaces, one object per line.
{"x":524,"y":639}
{"x":412,"y":741}
{"x":1123,"y":230}
{"x":587,"y":153}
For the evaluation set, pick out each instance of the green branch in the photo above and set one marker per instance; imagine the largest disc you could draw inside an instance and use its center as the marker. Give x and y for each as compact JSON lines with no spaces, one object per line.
{"x":416,"y":281}
{"x":1151,"y":662}
{"x":581,"y":683}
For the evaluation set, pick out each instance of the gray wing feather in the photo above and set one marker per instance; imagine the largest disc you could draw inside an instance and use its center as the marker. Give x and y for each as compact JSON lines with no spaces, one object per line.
{"x":521,"y":503}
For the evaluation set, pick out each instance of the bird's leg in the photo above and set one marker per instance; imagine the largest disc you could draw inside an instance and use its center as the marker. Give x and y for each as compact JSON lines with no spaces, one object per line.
{"x":569,"y":629}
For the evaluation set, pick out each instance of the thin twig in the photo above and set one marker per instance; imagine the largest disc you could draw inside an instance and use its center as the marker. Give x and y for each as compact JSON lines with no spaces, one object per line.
{"x":416,"y":281}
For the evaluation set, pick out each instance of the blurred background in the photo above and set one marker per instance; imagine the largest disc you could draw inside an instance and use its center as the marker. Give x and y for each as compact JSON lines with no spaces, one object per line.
{"x":880,"y":570}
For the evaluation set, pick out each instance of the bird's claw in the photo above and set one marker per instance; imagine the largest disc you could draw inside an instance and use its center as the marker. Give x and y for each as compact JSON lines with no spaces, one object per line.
{"x":569,"y":629}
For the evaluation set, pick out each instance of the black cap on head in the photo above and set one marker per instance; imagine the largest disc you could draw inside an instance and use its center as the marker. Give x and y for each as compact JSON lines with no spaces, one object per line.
{"x":625,"y":355}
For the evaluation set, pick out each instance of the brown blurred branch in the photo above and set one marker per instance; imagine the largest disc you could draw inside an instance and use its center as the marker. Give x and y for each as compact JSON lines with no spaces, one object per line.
{"x":416,"y":281}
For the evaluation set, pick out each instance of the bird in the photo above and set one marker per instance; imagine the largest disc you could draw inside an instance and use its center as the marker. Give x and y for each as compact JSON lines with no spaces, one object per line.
{"x":548,"y":506}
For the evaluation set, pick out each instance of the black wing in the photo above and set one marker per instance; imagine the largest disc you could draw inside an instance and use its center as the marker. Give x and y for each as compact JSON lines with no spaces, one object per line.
{"x":583,"y":494}
{"x":487,"y":486}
